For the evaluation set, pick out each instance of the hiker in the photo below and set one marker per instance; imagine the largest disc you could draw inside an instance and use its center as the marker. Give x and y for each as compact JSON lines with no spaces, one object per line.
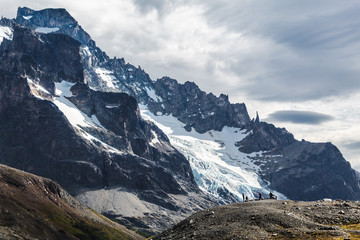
{"x":272,"y":196}
{"x":260,"y":195}
{"x":243,"y":195}
{"x":246,"y":199}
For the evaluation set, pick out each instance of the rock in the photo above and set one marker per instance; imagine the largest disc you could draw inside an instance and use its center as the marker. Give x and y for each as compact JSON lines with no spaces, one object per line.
{"x":195,"y":108}
{"x":258,"y":219}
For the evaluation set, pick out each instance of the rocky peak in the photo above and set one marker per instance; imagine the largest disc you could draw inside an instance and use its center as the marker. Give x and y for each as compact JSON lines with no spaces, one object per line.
{"x":195,"y":108}
{"x":59,"y":20}
{"x":44,"y":58}
{"x":264,"y":137}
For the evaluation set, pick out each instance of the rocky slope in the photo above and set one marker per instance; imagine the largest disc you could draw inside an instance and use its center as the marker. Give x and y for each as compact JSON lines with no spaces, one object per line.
{"x":272,"y":219}
{"x":33,"y":207}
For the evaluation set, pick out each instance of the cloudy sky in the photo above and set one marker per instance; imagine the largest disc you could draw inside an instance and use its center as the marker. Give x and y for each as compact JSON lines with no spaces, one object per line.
{"x":295,"y":62}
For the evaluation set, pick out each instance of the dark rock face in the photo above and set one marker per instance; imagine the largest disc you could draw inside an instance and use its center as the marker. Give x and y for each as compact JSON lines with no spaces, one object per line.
{"x":43,"y":58}
{"x":195,"y":108}
{"x":13,"y":89}
{"x":37,"y":137}
{"x":264,"y":137}
{"x":133,"y":133}
{"x":311,"y":171}
{"x":300,"y":170}
{"x":53,"y":18}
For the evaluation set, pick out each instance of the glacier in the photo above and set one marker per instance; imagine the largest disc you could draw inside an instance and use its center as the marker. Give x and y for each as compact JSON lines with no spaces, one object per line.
{"x":214,"y":158}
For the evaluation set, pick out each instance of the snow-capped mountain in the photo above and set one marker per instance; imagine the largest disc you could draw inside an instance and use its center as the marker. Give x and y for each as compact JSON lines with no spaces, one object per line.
{"x":92,"y":143}
{"x":69,"y":112}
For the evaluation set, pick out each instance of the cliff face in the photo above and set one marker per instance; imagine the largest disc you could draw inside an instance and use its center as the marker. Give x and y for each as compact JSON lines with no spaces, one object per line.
{"x":198,"y":110}
{"x":52,"y":124}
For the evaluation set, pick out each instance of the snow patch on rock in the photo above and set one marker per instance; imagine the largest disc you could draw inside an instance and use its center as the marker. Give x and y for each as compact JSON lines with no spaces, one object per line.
{"x":5,"y":32}
{"x":27,"y":17}
{"x":46,"y":29}
{"x":106,"y":76}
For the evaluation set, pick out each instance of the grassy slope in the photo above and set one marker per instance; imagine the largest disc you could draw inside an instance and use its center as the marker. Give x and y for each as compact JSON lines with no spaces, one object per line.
{"x":33,"y":207}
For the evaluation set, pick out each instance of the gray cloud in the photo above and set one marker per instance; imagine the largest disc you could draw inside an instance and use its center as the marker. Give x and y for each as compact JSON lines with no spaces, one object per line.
{"x":353,"y":146}
{"x":148,"y":5}
{"x":305,"y":46}
{"x":300,"y":117}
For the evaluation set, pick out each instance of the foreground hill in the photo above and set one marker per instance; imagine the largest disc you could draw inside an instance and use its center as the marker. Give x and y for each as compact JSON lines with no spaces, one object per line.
{"x":272,"y":219}
{"x":33,"y":207}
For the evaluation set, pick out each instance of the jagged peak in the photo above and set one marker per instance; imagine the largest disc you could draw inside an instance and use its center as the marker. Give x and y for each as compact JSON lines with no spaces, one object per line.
{"x":25,"y":12}
{"x":257,"y":119}
{"x":58,"y":18}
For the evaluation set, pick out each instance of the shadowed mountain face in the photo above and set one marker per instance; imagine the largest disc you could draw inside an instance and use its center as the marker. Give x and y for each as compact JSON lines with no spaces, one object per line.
{"x":33,"y":207}
{"x":70,"y":113}
{"x":52,"y":124}
{"x":39,"y":131}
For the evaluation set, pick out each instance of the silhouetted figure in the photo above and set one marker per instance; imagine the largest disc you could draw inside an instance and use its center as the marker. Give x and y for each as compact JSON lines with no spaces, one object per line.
{"x":260,"y":195}
{"x":246,"y":199}
{"x":272,"y":196}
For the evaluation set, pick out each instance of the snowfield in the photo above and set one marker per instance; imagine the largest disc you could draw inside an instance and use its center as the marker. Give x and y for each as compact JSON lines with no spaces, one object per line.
{"x":218,"y":166}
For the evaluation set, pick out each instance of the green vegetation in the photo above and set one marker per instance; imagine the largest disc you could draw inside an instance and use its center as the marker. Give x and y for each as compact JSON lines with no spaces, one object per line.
{"x":84,"y":229}
{"x":144,"y":234}
{"x":353,"y":230}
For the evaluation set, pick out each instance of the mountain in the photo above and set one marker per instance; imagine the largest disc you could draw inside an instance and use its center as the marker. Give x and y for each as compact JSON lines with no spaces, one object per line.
{"x":271,"y":219}
{"x":33,"y":207}
{"x":52,"y":124}
{"x":147,"y":153}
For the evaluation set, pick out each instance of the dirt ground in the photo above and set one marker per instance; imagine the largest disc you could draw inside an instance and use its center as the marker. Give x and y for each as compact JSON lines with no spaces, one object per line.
{"x":272,"y":219}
